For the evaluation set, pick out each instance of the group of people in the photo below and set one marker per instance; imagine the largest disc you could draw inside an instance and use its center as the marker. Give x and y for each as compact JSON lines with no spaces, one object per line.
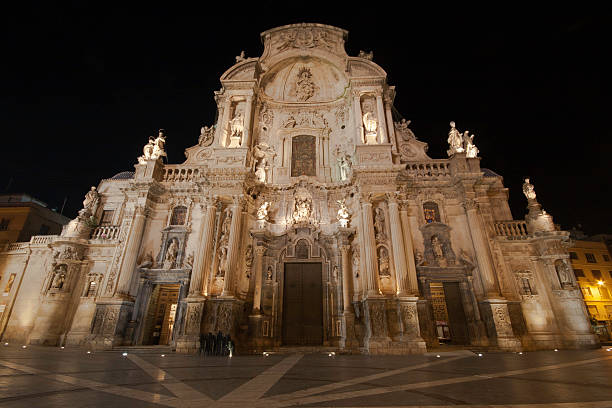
{"x":216,"y":345}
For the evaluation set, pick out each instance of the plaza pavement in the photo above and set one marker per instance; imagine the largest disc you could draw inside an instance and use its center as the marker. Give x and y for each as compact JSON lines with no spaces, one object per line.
{"x":54,"y":377}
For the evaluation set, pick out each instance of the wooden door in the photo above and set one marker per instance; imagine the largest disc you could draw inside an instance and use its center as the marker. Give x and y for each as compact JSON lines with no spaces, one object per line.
{"x":303,"y":305}
{"x":456,"y":315}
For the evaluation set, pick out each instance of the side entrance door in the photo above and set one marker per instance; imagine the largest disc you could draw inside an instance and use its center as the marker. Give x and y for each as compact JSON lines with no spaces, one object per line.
{"x":303,"y":305}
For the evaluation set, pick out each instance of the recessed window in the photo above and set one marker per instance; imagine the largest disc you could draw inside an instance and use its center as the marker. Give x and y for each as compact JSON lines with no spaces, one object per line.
{"x":596,"y":274}
{"x":178,"y":215}
{"x":44,"y":229}
{"x":590,"y":257}
{"x":606,"y":258}
{"x":579,"y":273}
{"x":573,"y":255}
{"x":107,"y":217}
{"x":431,"y":212}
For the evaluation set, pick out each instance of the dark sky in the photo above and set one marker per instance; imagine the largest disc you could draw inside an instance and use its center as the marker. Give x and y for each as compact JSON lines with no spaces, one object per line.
{"x":83,"y":89}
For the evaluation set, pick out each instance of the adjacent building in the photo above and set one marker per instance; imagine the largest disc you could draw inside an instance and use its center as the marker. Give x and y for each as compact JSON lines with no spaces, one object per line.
{"x":307,"y":215}
{"x":592,"y":266}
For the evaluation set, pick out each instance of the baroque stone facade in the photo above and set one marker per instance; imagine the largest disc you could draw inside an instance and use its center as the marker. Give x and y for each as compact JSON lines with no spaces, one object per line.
{"x":307,"y":215}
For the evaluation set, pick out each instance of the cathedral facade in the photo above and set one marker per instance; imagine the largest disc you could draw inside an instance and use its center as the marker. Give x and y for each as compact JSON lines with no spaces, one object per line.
{"x":308,"y":215}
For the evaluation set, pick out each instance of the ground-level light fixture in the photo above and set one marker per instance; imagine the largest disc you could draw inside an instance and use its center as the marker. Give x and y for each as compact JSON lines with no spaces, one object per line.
{"x":600,"y":282}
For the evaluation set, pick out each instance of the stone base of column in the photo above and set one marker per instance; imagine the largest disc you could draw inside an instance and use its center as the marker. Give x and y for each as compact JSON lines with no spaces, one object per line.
{"x":499,"y":320}
{"x":188,"y":340}
{"x":377,"y":339}
{"x":259,"y":335}
{"x":49,"y":322}
{"x":349,"y":340}
{"x":410,"y":338}
{"x":222,"y":315}
{"x":576,"y":330}
{"x":110,"y":325}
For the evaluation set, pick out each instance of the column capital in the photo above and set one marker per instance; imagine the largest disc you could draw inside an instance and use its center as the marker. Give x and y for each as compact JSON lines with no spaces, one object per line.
{"x":345,"y":248}
{"x":470,"y":204}
{"x":366,"y":199}
{"x":393,"y":198}
{"x":260,"y":250}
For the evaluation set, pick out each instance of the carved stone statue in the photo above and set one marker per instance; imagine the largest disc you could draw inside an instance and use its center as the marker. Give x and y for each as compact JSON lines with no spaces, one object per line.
{"x":59,"y":276}
{"x":225,"y":227}
{"x":206,"y":136}
{"x":563,"y":272}
{"x":529,"y":190}
{"x":471,"y":150}
{"x":343,"y":214}
{"x":366,"y":55}
{"x":383,"y":262}
{"x":455,"y":141}
{"x":260,"y":170}
{"x":436,"y":247}
{"x":92,"y":198}
{"x":241,"y":57}
{"x":222,"y":262}
{"x":269,"y":274}
{"x":171,"y":254}
{"x":154,"y":149}
{"x":305,"y":87}
{"x":370,"y":123}
{"x":303,"y":206}
{"x":344,"y":164}
{"x":418,"y":257}
{"x":335,"y":273}
{"x":262,"y":211}
{"x":236,"y":129}
{"x":379,"y":224}
{"x":248,"y":256}
{"x":188,"y":261}
{"x":146,"y":261}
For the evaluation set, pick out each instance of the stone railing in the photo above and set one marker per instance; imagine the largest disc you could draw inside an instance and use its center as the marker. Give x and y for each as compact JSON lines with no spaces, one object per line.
{"x":16,"y":246}
{"x":106,"y":232}
{"x":432,"y":168}
{"x":512,"y":229}
{"x":42,"y":239}
{"x":180,"y":173}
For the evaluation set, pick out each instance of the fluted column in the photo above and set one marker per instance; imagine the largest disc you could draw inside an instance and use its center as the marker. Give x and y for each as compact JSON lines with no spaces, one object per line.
{"x":233,"y":249}
{"x":224,"y":123}
{"x":259,"y":253}
{"x":412,"y":283}
{"x":381,"y":118}
{"x":201,"y":264}
{"x":346,"y":278}
{"x":390,"y":125}
{"x":397,"y":242}
{"x":131,"y":252}
{"x":369,"y":250}
{"x":358,"y":118}
{"x":481,"y":247}
{"x":246,"y":138}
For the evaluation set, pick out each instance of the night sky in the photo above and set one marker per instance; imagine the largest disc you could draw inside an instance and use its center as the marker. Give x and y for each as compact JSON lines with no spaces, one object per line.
{"x":82,"y":90}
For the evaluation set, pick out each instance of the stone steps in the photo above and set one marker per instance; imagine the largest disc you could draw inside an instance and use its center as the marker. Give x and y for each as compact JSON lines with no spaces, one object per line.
{"x":144,"y":349}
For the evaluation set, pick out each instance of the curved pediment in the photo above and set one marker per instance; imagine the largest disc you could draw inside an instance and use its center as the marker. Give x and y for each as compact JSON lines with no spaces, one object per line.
{"x":361,"y":67}
{"x":304,"y":79}
{"x":242,"y":71}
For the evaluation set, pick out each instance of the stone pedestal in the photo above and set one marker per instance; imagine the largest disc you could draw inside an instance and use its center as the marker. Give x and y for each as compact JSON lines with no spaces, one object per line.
{"x":49,"y":321}
{"x":188,"y":340}
{"x":497,"y":311}
{"x":222,"y":315}
{"x":576,"y":331}
{"x":110,"y":324}
{"x":374,"y":154}
{"x":377,"y":339}
{"x":411,"y":332}
{"x":81,"y":323}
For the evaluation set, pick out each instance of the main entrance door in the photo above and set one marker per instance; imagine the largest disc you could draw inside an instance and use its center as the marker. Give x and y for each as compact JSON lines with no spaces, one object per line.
{"x":303,"y":305}
{"x":449,"y":315}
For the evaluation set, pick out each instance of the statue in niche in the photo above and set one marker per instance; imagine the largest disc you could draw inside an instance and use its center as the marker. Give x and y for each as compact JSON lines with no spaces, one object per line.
{"x":59,"y":276}
{"x":370,"y":122}
{"x":248,"y":256}
{"x":222,"y":262}
{"x":344,"y":165}
{"x":260,"y":170}
{"x":171,"y":254}
{"x":92,"y":198}
{"x":383,"y":262}
{"x":356,"y":262}
{"x":303,"y":206}
{"x":563,"y":272}
{"x":335,"y":273}
{"x":305,"y":87}
{"x":529,"y":190}
{"x":343,"y":214}
{"x":418,"y":257}
{"x":262,"y":211}
{"x":236,"y":129}
{"x":471,"y":150}
{"x":379,"y":224}
{"x":225,"y":227}
{"x":269,"y":274}
{"x":455,"y":141}
{"x":438,"y":251}
{"x":206,"y":136}
{"x":146,"y":261}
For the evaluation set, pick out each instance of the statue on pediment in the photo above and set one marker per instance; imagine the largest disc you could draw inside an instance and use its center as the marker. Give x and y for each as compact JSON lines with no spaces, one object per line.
{"x":455,"y":141}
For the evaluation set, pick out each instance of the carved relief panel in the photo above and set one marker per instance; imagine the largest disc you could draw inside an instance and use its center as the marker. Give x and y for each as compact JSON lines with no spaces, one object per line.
{"x":303,"y":156}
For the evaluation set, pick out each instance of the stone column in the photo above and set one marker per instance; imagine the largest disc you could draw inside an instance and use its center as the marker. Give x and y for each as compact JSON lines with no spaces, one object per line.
{"x":483,"y":252}
{"x":259,"y":253}
{"x":248,"y":110}
{"x":233,"y":249}
{"x":381,"y":118}
{"x":131,"y":252}
{"x":390,"y":125}
{"x":397,"y":242}
{"x":412,"y":284}
{"x":369,"y":250}
{"x":358,"y":118}
{"x":201,"y":264}
{"x":223,"y":123}
{"x":346,"y":278}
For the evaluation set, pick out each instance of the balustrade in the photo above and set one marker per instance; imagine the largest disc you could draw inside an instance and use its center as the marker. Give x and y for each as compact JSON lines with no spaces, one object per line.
{"x":175,"y":173}
{"x":432,"y":168}
{"x":42,"y":239}
{"x":106,"y":232}
{"x":511,"y":229}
